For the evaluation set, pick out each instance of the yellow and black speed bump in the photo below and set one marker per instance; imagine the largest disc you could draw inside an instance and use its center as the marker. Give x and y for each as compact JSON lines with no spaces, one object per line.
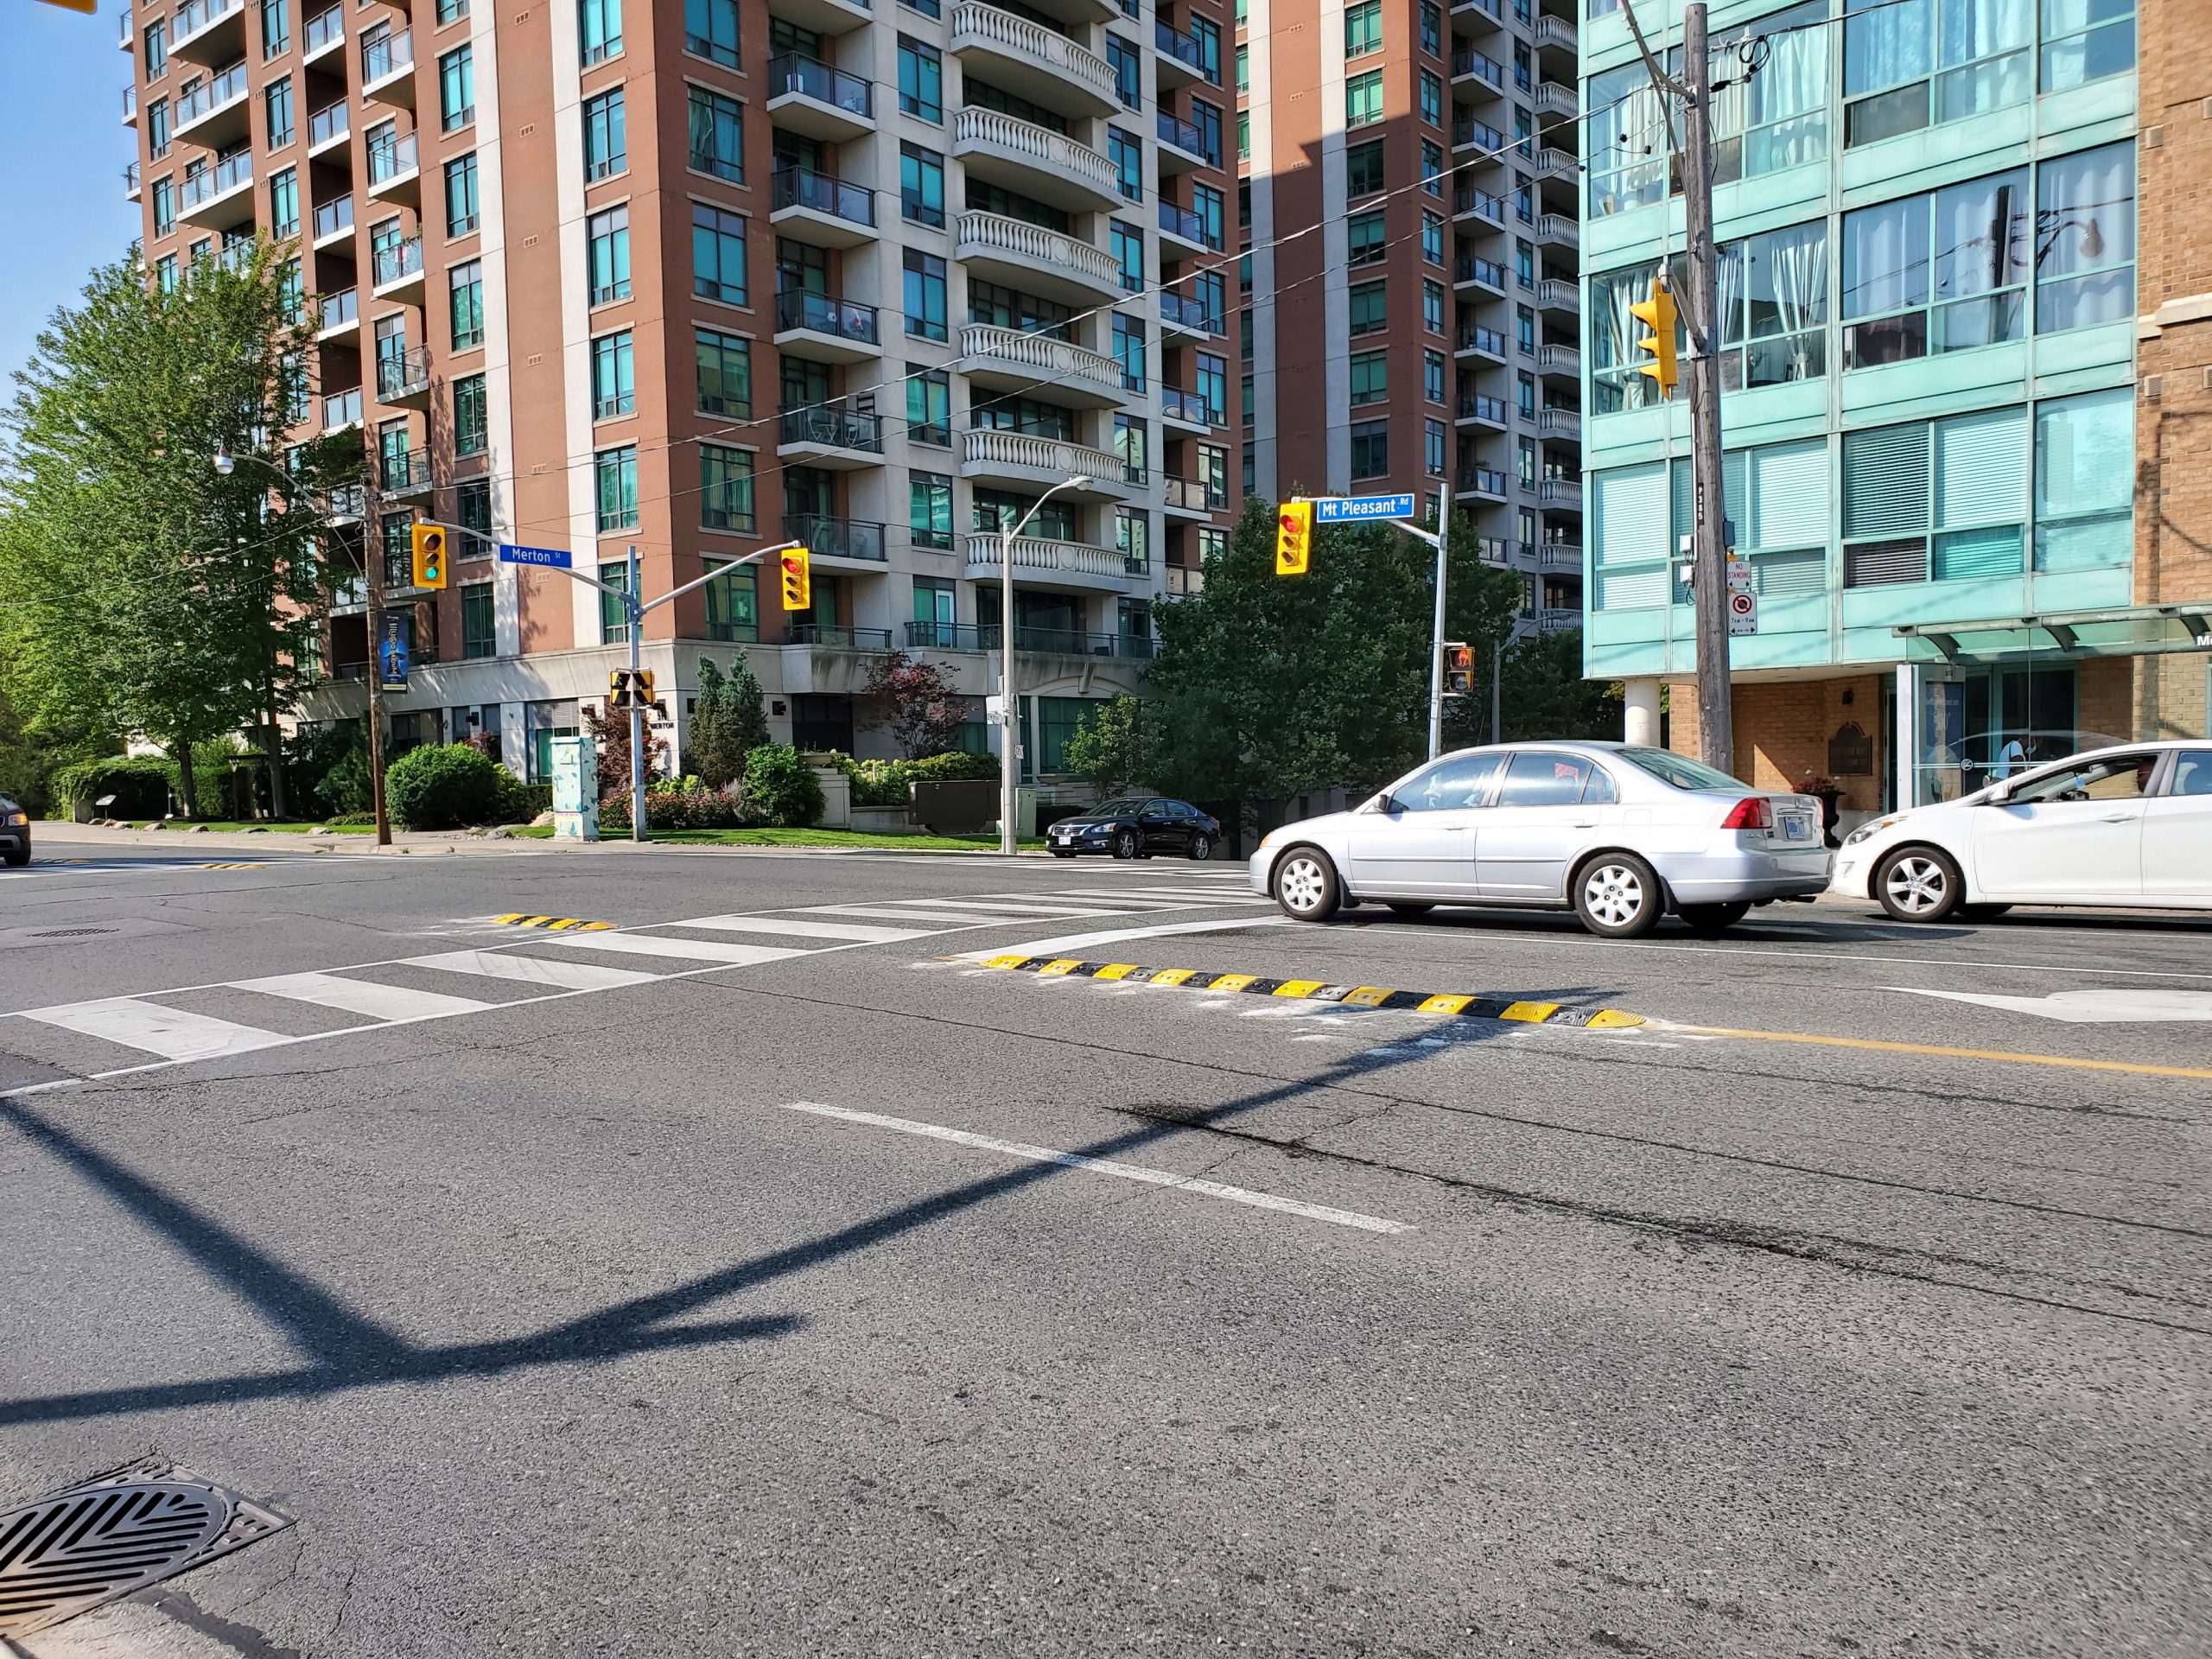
{"x":551,"y":924}
{"x":232,"y":866}
{"x":1467,"y":1006}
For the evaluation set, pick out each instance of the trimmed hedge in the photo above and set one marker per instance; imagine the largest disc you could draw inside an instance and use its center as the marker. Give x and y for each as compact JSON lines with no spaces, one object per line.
{"x":781,"y":787}
{"x":442,"y":786}
{"x":674,"y":809}
{"x":140,"y":784}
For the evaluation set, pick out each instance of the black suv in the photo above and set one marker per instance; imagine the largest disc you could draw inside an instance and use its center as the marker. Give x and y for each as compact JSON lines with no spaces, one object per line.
{"x":1136,"y":827}
{"x":15,"y":833}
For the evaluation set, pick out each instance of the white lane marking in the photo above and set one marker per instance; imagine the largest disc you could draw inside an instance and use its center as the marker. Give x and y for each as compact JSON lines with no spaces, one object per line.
{"x":1169,"y":895}
{"x":1013,"y":909}
{"x":532,"y":970}
{"x":858,"y":931}
{"x":1110,"y":1166}
{"x":1081,"y":941}
{"x":645,"y":944}
{"x":173,"y":1033}
{"x":966,"y":918}
{"x":2089,"y":1007}
{"x":362,"y":996}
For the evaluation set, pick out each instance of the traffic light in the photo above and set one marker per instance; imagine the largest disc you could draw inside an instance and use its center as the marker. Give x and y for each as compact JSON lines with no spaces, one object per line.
{"x":798,"y":579}
{"x":1294,"y":537}
{"x":429,"y":549}
{"x":629,"y":688}
{"x":1657,"y":313}
{"x":1458,"y":669}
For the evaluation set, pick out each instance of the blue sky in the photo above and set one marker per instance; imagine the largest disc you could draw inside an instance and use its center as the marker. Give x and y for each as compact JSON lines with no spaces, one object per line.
{"x":63,"y":148}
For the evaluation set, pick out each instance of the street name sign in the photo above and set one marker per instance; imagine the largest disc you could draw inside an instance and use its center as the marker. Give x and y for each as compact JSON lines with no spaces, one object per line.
{"x":558,"y":557}
{"x":1362,"y":509}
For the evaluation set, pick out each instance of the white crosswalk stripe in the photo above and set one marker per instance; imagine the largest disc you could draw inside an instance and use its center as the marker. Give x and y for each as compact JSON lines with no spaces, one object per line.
{"x":363,"y":996}
{"x":794,"y":928}
{"x":173,"y":1033}
{"x":548,"y":972}
{"x":652,"y":944}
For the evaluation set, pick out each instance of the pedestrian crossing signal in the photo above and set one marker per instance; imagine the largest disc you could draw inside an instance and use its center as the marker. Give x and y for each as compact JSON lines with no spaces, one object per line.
{"x":630,"y":688}
{"x":798,"y":580}
{"x":1458,"y":669}
{"x":429,"y":550}
{"x":1294,"y":537}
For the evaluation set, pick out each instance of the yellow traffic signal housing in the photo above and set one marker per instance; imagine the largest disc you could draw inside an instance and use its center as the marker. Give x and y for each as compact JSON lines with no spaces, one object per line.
{"x":429,"y":550}
{"x":798,"y":579}
{"x":1294,"y":537}
{"x":1657,"y":313}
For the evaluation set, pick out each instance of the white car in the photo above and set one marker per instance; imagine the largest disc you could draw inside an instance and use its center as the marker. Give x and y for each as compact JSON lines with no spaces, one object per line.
{"x":2129,"y":825}
{"x":1619,"y":834}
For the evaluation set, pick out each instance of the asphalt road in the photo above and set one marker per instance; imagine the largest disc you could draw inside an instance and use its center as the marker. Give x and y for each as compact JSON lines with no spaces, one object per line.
{"x":767,"y":1274}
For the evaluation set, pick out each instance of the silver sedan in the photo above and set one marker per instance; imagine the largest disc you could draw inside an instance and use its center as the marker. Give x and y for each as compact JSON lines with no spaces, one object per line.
{"x":1620,"y":833}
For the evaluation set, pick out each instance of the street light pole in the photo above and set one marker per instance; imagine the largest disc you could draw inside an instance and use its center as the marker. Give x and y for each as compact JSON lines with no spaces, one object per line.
{"x":1009,"y":771}
{"x":636,"y":615}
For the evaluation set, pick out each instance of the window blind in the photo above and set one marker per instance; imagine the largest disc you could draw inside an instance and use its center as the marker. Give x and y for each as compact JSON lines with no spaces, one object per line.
{"x":1789,"y":496}
{"x":1885,"y":480}
{"x":1981,"y":468}
{"x":1632,"y":516}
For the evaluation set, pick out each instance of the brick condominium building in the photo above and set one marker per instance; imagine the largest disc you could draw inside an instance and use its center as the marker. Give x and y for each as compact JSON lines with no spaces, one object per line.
{"x":704,"y":276}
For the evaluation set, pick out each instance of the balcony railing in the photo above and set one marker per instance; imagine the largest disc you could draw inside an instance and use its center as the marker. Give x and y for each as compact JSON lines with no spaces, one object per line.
{"x":1558,"y":227}
{"x":397,"y":263}
{"x":1560,"y":492}
{"x":1176,"y":404}
{"x":1470,"y":198}
{"x":1018,"y":37}
{"x":404,"y":472}
{"x":226,"y":175}
{"x":324,"y":30}
{"x":341,"y":408}
{"x":1560,"y":422}
{"x":390,"y":157}
{"x":1486,"y":340}
{"x":1191,"y":495}
{"x":1552,"y":98}
{"x":402,"y":373}
{"x":1559,"y":294}
{"x":1560,"y":359}
{"x":340,"y":310}
{"x":1051,"y":151}
{"x":1183,"y":48}
{"x":834,"y":428}
{"x":820,"y":314}
{"x":1552,"y":620}
{"x":971,"y":635}
{"x":1466,"y":60}
{"x":835,"y":539}
{"x":1473,"y":406}
{"x":1187,"y":136}
{"x":838,"y":639}
{"x":1559,"y":555}
{"x":129,"y":103}
{"x":988,"y":346}
{"x":1467,"y":133}
{"x":1039,"y":554}
{"x":801,"y":186}
{"x":1482,"y":480}
{"x":1188,"y":224}
{"x":195,"y":14}
{"x":387,"y":55}
{"x":1554,"y":31}
{"x":130,"y":182}
{"x":332,"y":217}
{"x":996,"y":233}
{"x":211,"y":94}
{"x":325,"y":125}
{"x":988,"y":447}
{"x":1186,"y":311}
{"x":1488,"y":272}
{"x":790,"y":71}
{"x":124,"y":42}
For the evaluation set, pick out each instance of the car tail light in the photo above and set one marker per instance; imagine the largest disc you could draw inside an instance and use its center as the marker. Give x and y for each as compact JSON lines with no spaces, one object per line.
{"x":1753,"y":812}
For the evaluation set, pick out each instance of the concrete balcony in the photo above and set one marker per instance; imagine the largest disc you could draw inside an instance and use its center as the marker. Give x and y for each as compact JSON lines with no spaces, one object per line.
{"x":843,"y":440}
{"x":130,"y":104}
{"x":1187,"y":497}
{"x":129,"y":35}
{"x":1027,"y":59}
{"x":1041,"y":563}
{"x":217,"y":113}
{"x":395,"y":170}
{"x":1020,"y":255}
{"x":1475,"y":409}
{"x":842,"y":543}
{"x":1181,"y":314}
{"x":324,"y":34}
{"x":1481,"y":342}
{"x":404,"y":378}
{"x":815,"y":209}
{"x":1559,"y":230}
{"x":1182,"y":145}
{"x":131,"y":189}
{"x":1563,"y":423}
{"x":1022,"y":460}
{"x":218,"y":198}
{"x":333,"y":223}
{"x":388,"y":69}
{"x":1001,"y":150}
{"x":1079,"y":13}
{"x":1186,"y":411}
{"x":1552,"y":163}
{"x":1013,"y":360}
{"x":1565,"y":361}
{"x":1182,"y":59}
{"x":1560,"y":494}
{"x":1476,"y":69}
{"x":1554,"y":31}
{"x":208,"y":31}
{"x":1487,"y":274}
{"x":815,"y":326}
{"x":1482,"y":206}
{"x":1467,"y":133}
{"x":395,"y":273}
{"x":1481,"y":484}
{"x":818,"y":100}
{"x":1559,"y":556}
{"x":340,"y":317}
{"x":1187,"y":228}
{"x":1552,"y":98}
{"x":1558,"y":294}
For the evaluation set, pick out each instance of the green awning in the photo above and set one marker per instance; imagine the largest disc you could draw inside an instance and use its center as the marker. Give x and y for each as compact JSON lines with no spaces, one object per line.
{"x":2137,"y":631}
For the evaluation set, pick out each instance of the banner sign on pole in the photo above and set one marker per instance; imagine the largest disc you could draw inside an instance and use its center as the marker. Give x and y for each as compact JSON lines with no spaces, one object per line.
{"x":395,"y":651}
{"x":558,"y":557}
{"x":1362,"y":509}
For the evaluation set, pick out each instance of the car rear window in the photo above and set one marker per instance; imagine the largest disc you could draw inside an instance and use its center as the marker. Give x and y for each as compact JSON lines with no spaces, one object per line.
{"x":1678,"y":770}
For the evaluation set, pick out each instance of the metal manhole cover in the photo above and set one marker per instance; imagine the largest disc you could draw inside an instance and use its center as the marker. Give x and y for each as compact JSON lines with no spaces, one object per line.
{"x":69,"y":932}
{"x":67,"y":1553}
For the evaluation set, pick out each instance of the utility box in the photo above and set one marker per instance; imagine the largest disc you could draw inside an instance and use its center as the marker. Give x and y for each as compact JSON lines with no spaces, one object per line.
{"x":575,"y":789}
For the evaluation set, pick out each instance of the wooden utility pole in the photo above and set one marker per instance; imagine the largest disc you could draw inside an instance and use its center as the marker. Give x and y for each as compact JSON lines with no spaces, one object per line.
{"x":1709,"y":570}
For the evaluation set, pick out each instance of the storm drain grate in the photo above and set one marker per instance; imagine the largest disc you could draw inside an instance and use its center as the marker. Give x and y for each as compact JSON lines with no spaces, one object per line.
{"x":69,"y":1551}
{"x":70,"y":932}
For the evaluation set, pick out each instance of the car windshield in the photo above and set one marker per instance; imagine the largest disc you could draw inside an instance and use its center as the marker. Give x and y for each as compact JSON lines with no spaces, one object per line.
{"x":1678,"y":770}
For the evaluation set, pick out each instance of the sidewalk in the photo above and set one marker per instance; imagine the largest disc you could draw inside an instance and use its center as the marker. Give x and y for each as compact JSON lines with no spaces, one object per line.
{"x":232,"y":842}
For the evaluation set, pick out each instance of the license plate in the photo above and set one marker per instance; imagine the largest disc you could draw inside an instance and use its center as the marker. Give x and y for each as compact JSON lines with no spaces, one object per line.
{"x":1796,"y":829}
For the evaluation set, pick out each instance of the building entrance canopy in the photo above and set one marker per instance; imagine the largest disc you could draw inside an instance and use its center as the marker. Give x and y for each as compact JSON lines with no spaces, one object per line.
{"x":2138,"y":631}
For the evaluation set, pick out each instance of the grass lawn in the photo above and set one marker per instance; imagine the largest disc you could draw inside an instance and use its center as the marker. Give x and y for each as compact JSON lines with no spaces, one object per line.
{"x":808,"y":838}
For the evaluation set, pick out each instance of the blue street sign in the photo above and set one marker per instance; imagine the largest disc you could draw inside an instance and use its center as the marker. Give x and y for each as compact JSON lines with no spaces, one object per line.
{"x":1362,"y":509}
{"x":556,"y":556}
{"x":395,"y":653}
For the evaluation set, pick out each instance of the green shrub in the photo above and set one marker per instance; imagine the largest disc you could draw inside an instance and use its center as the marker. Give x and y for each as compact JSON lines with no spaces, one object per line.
{"x":952,"y":765}
{"x":781,"y":787}
{"x":351,"y":819}
{"x":673,"y":809}
{"x":521,"y":802}
{"x":441,"y":786}
{"x":140,"y":784}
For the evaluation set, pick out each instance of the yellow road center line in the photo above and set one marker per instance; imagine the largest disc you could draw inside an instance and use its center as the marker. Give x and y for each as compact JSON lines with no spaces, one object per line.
{"x":2069,"y":1061}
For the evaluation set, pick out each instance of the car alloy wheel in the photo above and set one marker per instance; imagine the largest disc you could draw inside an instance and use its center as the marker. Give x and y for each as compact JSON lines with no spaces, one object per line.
{"x":1618,"y":897}
{"x":1918,"y":885}
{"x":1125,"y":843}
{"x":1305,"y":886}
{"x":1201,"y":848}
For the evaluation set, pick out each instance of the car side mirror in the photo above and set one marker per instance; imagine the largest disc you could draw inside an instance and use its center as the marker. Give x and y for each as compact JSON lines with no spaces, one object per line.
{"x":1999,"y":796}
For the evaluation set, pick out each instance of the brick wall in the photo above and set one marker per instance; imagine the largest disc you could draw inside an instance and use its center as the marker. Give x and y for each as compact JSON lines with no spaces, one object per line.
{"x":1783,"y":732}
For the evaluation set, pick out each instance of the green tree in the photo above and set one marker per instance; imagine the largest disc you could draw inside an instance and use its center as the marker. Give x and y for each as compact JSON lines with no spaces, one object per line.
{"x":727,"y":723}
{"x":142,"y":590}
{"x":1112,"y":748}
{"x":1269,"y":686}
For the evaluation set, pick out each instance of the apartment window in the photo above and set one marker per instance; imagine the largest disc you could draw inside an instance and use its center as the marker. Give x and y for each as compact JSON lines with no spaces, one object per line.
{"x":1908,"y":62}
{"x":1431,"y":168}
{"x":451,"y":11}
{"x":1524,"y":388}
{"x":613,"y":614}
{"x":1369,"y":378}
{"x":615,"y":473}
{"x":605,"y":148}
{"x":929,"y":511}
{"x":1133,"y":535}
{"x":1129,"y":79}
{"x":1524,"y":329}
{"x":1371,"y":307}
{"x":921,"y":185}
{"x":1371,"y":448}
{"x":1133,"y":448}
{"x":1128,"y":157}
{"x":1211,"y":208}
{"x":1433,"y":448}
{"x":1207,"y":119}
{"x":2085,"y":479}
{"x":1363,"y":168}
{"x":921,"y":80}
{"x":1127,"y":244}
{"x":292,"y":288}
{"x":275,"y":28}
{"x":1244,"y":154}
{"x":157,"y":130}
{"x":1431,"y":28}
{"x":1431,"y":376}
{"x":725,"y":488}
{"x":1364,"y":239}
{"x":165,"y":273}
{"x":165,"y":207}
{"x":1431,"y":305}
{"x":472,"y":509}
{"x":717,"y":134}
{"x":717,"y":255}
{"x":1524,"y":463}
{"x":1207,"y":36}
{"x":460,"y":195}
{"x":1213,"y":387}
{"x":155,"y":33}
{"x":724,"y":362}
{"x":1432,"y":99}
{"x":926,"y":296}
{"x":710,"y":30}
{"x":468,"y":305}
{"x":614,"y":376}
{"x":478,"y":636}
{"x":1363,"y":99}
{"x":2085,"y":40}
{"x":1362,"y":28}
{"x":734,"y":605}
{"x":2085,"y":260}
{"x":471,"y":419}
{"x":1243,"y":68}
{"x":197,"y":250}
{"x":599,"y":29}
{"x":277,"y":105}
{"x":1432,"y":239}
{"x":457,"y":87}
{"x":1213,"y":475}
{"x":284,"y":203}
{"x":1937,"y":500}
{"x":1128,"y":350}
{"x":606,"y":237}
{"x":929,"y":407}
